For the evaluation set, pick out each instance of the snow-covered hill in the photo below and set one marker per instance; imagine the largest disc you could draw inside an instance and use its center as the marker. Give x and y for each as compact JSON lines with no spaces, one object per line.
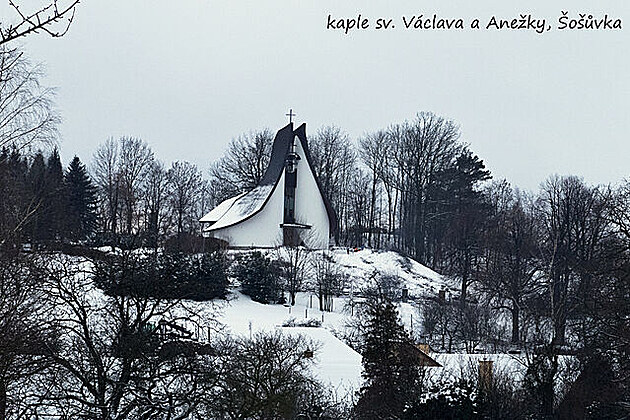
{"x":337,"y":364}
{"x":418,"y":279}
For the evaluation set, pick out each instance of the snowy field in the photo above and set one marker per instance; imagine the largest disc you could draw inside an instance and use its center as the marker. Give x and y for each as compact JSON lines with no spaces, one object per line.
{"x":336,"y":364}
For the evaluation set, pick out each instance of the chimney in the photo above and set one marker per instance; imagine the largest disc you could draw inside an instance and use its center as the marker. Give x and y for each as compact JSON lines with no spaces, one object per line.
{"x":424,"y":348}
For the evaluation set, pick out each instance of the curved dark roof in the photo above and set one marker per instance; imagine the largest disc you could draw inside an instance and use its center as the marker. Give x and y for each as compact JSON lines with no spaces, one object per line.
{"x":281,"y":147}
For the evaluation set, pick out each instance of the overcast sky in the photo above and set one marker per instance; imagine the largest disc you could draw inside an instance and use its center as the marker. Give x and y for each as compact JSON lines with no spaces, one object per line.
{"x":188,"y":75}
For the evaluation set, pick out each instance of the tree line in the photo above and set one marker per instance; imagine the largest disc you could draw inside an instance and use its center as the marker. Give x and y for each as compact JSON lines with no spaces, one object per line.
{"x":555,"y":262}
{"x":552,"y":263}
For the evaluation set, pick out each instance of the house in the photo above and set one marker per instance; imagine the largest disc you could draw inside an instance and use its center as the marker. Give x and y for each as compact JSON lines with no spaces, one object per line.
{"x":288,"y":206}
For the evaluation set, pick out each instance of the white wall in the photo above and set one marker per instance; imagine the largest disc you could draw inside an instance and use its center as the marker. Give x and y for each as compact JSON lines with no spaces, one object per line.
{"x":309,"y":205}
{"x":261,"y":230}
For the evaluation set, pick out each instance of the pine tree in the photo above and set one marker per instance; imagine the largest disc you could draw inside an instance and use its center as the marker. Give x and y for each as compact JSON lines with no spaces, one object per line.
{"x":37,"y":188}
{"x":80,"y":215}
{"x":53,"y":203}
{"x":391,"y":368}
{"x":16,"y":205}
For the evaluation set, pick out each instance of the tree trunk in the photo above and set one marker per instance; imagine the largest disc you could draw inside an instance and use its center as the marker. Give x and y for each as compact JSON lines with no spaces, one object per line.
{"x":3,"y":399}
{"x":515,"y":322}
{"x":372,"y":211}
{"x":462,"y":298}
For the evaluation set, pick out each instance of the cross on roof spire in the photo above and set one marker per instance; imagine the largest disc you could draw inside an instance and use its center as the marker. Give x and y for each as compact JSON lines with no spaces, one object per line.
{"x":290,"y":115}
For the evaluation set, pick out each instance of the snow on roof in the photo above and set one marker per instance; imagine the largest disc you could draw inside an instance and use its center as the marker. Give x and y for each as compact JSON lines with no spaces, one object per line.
{"x":336,"y":363}
{"x":240,"y":208}
{"x":220,"y":210}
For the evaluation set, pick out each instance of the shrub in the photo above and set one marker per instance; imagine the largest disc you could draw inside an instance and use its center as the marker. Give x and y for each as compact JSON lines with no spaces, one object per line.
{"x":167,"y":276}
{"x":259,"y":278}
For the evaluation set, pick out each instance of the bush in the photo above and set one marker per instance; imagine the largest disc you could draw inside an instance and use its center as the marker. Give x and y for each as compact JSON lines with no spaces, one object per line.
{"x":189,"y":243}
{"x":259,"y":278}
{"x":269,"y":377}
{"x":168,"y":276}
{"x":454,"y":401}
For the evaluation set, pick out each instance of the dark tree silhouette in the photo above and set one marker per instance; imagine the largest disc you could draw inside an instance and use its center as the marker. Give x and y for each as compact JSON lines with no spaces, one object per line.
{"x":391,"y":369}
{"x":81,"y":201}
{"x":243,"y":165}
{"x":27,"y":115}
{"x":54,"y":199}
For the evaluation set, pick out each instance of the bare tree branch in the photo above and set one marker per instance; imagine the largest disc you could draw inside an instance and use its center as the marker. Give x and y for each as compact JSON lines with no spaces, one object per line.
{"x":51,"y":19}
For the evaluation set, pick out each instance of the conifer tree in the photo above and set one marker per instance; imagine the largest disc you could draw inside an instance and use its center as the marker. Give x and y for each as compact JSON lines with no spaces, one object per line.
{"x":37,"y":188}
{"x":391,"y":368}
{"x":15,"y":204}
{"x":258,"y":280}
{"x":53,"y":200}
{"x":80,"y":202}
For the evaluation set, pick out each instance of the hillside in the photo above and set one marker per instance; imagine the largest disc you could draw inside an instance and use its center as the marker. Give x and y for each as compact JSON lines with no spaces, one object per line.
{"x":337,"y":363}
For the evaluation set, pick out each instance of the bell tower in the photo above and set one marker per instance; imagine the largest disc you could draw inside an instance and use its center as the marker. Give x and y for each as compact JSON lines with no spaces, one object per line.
{"x":289,"y":231}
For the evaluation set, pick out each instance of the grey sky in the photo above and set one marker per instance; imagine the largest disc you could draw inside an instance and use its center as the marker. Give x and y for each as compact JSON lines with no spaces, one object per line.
{"x":189,"y":75}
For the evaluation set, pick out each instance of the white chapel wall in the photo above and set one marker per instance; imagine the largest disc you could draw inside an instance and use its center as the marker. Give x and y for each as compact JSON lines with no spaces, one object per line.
{"x":309,"y":205}
{"x":262,"y":229}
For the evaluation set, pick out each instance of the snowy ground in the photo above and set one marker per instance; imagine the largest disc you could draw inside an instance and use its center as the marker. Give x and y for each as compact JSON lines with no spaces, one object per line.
{"x":418,"y":279}
{"x":339,"y":365}
{"x":336,"y":364}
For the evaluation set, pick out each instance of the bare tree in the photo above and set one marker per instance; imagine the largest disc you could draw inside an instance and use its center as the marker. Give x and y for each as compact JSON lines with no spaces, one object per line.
{"x":619,"y":210}
{"x":105,"y":165}
{"x":155,"y":193}
{"x":27,"y":114}
{"x":573,"y":223}
{"x":421,"y":148}
{"x":375,"y":157}
{"x":357,"y":210}
{"x":53,"y":18}
{"x":293,"y":264}
{"x":334,"y":161}
{"x":186,"y":184}
{"x":135,"y":160}
{"x":26,"y":335}
{"x":440,"y":324}
{"x":328,"y":279}
{"x":243,"y":165}
{"x":112,"y":361}
{"x":267,"y":377}
{"x":508,"y":274}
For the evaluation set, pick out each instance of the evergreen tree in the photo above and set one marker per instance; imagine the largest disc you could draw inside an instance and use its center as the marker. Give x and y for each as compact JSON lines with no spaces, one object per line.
{"x":80,"y":215}
{"x":15,"y":202}
{"x":37,"y":188}
{"x":458,"y":213}
{"x":391,"y":367}
{"x":54,"y":199}
{"x":258,"y":280}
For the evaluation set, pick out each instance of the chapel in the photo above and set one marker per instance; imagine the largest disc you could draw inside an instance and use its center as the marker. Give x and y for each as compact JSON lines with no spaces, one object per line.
{"x":287,"y":207}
